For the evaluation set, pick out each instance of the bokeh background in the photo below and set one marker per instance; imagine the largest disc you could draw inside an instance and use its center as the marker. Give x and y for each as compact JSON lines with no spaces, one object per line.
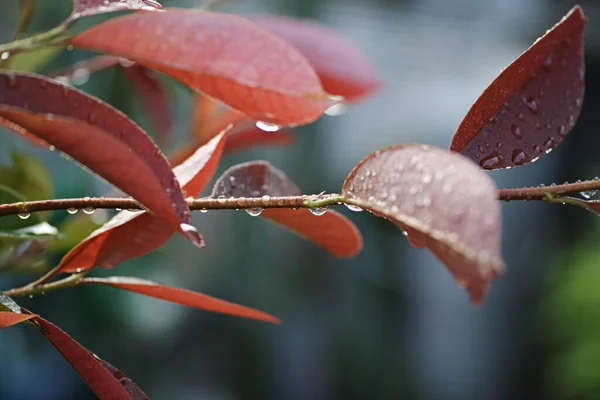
{"x":388,"y":324}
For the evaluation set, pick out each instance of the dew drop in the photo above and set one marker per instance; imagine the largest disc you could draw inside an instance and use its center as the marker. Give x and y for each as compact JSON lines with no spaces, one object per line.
{"x":480,"y":149}
{"x":520,"y":115}
{"x":265,"y":198}
{"x":537,"y":149}
{"x":72,"y":210}
{"x":352,"y":207}
{"x":70,"y":48}
{"x":204,"y":211}
{"x":336,"y":109}
{"x":5,"y":55}
{"x":80,"y":76}
{"x":492,"y":161}
{"x":222,"y":199}
{"x":318,"y":211}
{"x":532,"y":104}
{"x":588,"y":194}
{"x":549,"y":144}
{"x":516,"y":131}
{"x":519,"y":157}
{"x":267,"y":127}
{"x":24,"y":215}
{"x":89,"y":210}
{"x":254,"y":212}
{"x":571,"y":120}
{"x":125,"y":63}
{"x":562,"y":131}
{"x":51,"y":148}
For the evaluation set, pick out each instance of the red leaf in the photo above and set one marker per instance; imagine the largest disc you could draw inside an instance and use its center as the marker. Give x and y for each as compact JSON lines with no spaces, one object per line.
{"x":9,"y":318}
{"x":332,"y":231}
{"x":100,"y":380}
{"x":182,"y":296}
{"x":132,"y":388}
{"x":99,"y":137}
{"x":154,"y":97}
{"x":86,"y":8}
{"x":133,"y":234}
{"x":252,"y":137}
{"x":224,"y":56}
{"x":342,"y":68}
{"x":442,"y":201}
{"x":530,"y":107}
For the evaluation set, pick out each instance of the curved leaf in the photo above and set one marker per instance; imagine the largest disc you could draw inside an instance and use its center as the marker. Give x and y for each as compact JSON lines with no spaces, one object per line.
{"x":99,"y":379}
{"x":181,"y":296}
{"x":530,"y":107}
{"x":97,"y":136}
{"x":132,"y":388}
{"x":224,"y":56}
{"x":133,"y":234}
{"x":332,"y":231}
{"x":342,"y":68}
{"x":9,"y":318}
{"x":442,"y":201}
{"x":87,"y":8}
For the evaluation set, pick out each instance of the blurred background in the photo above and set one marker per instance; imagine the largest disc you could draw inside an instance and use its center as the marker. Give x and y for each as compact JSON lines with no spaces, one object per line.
{"x":389,"y":324}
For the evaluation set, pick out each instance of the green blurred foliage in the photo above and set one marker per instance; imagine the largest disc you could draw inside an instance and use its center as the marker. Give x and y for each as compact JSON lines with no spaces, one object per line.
{"x":28,"y":176}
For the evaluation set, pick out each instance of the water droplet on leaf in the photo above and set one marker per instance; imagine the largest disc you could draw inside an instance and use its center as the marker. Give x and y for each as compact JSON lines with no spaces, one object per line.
{"x":254,"y":212}
{"x":222,"y":199}
{"x":516,"y":131}
{"x":89,"y":210}
{"x":492,"y":161}
{"x":72,"y":210}
{"x":318,"y":211}
{"x":5,"y":55}
{"x":352,"y":207}
{"x":588,"y":194}
{"x":267,"y":127}
{"x":24,"y":215}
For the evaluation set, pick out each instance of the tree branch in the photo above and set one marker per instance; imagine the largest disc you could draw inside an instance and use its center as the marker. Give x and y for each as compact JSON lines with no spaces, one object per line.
{"x":305,"y":201}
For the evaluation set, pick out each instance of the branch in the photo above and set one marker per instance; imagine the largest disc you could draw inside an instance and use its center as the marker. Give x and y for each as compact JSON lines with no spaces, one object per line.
{"x":305,"y":201}
{"x":89,"y":204}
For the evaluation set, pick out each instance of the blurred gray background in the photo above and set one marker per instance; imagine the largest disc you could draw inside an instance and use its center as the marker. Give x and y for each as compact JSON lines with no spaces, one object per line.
{"x":388,"y":324}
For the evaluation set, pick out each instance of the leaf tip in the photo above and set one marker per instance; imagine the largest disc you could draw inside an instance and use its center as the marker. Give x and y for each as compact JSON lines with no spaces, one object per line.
{"x":192,"y":235}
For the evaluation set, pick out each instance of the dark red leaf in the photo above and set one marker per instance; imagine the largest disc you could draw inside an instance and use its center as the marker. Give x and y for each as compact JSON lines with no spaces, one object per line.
{"x":99,"y":379}
{"x":332,"y":231}
{"x":132,"y":388}
{"x":133,"y":234}
{"x":97,"y":136}
{"x":9,"y":318}
{"x":86,"y":8}
{"x":154,"y":97}
{"x":530,"y":107}
{"x":442,"y":201}
{"x":224,"y":56}
{"x":182,"y":296}
{"x":342,"y":68}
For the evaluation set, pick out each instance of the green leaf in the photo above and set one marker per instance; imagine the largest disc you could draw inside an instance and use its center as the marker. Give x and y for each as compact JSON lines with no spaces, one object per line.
{"x":28,"y":176}
{"x":73,"y":230}
{"x":15,"y":222}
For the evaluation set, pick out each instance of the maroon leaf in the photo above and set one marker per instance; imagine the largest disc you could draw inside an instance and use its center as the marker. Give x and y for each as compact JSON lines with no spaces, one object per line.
{"x":97,"y":136}
{"x":530,"y":107}
{"x":332,"y":231}
{"x":133,"y":234}
{"x":132,"y":388}
{"x":86,"y":8}
{"x":342,"y":68}
{"x":442,"y":201}
{"x":154,"y":97}
{"x":182,"y":296}
{"x":224,"y":56}
{"x":99,"y":379}
{"x":9,"y":318}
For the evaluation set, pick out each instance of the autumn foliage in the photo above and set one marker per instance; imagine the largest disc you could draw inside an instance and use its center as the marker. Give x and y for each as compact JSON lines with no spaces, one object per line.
{"x":255,"y":78}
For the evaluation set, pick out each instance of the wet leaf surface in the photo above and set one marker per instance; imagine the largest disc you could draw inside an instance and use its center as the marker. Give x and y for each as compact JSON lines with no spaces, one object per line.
{"x":532,"y":105}
{"x":442,"y":201}
{"x":331,"y":230}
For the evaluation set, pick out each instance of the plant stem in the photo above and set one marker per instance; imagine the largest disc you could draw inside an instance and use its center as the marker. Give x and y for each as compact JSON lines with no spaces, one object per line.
{"x":31,"y":289}
{"x":52,"y":37}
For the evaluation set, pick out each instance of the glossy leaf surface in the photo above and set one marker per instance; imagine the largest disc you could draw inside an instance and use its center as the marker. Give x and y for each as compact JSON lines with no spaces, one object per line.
{"x":97,"y":136}
{"x":182,"y":296}
{"x":530,"y":107}
{"x":224,"y":56}
{"x":342,"y":68}
{"x":332,"y":231}
{"x":442,"y":201}
{"x":87,"y":8}
{"x":133,"y":234}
